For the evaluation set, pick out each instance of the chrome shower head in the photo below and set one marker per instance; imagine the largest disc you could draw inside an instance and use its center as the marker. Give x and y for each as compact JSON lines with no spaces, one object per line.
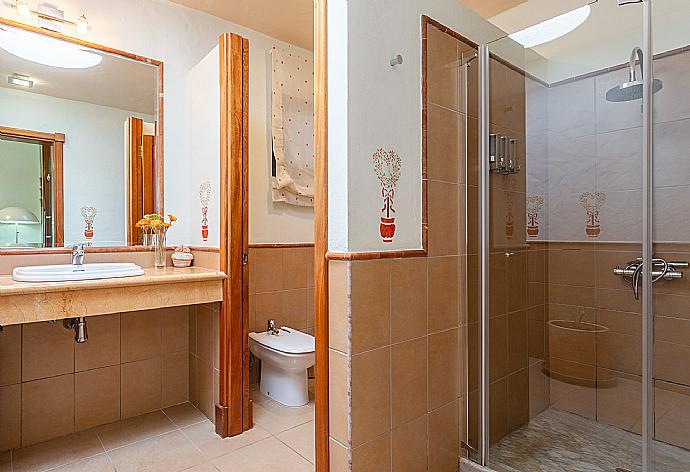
{"x":633,"y":89}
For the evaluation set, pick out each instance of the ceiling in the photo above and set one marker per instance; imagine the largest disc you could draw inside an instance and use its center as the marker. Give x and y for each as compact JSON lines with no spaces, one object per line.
{"x":116,"y":82}
{"x":490,"y":8}
{"x":287,"y":20}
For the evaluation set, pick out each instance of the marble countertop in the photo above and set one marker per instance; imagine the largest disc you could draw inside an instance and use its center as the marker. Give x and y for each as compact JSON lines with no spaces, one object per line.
{"x":151,"y":276}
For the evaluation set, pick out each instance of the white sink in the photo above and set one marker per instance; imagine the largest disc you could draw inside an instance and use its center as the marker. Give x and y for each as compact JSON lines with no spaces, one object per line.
{"x":69,"y":272}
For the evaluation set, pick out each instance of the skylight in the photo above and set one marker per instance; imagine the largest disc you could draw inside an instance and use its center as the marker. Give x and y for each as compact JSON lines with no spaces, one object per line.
{"x":551,"y":29}
{"x":46,"y":50}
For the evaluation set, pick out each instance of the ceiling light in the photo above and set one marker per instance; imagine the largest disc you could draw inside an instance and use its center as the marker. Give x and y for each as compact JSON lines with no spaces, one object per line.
{"x":21,"y":80}
{"x":47,"y":51}
{"x":23,"y":9}
{"x":82,"y":25}
{"x":551,"y":29}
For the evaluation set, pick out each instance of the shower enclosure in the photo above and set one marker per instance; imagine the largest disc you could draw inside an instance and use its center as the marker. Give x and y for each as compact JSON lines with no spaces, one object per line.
{"x":577,"y":326}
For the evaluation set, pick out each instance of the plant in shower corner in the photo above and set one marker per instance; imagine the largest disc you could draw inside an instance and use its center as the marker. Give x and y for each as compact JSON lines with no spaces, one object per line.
{"x":157,"y":227}
{"x":387,"y":165}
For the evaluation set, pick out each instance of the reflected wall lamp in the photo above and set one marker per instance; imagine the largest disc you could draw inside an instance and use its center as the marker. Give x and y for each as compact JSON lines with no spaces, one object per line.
{"x":50,"y":17}
{"x":17,"y":216}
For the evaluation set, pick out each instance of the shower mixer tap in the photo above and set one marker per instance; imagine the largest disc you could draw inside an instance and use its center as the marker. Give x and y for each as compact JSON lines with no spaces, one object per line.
{"x":661,"y":269}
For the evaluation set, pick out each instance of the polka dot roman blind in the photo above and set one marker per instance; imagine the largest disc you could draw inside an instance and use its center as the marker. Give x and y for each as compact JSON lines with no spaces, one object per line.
{"x":292,"y":111}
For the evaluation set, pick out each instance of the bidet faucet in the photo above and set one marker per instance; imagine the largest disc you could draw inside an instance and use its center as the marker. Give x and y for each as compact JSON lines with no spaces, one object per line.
{"x":78,"y":253}
{"x":272,"y":328}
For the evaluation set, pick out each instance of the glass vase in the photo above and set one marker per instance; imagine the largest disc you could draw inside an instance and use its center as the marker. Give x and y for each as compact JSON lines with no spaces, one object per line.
{"x":160,"y":250}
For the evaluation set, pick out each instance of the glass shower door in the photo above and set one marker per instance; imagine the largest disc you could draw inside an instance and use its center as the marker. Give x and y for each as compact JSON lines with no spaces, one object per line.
{"x":671,"y":236}
{"x":562,"y":205}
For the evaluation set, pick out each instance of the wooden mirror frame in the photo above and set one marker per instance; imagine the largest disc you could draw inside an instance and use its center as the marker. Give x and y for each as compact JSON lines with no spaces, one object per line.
{"x":160,"y":161}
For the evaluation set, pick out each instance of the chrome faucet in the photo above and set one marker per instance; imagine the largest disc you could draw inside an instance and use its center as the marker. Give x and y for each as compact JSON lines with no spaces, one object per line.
{"x":272,"y":328}
{"x":78,"y":254}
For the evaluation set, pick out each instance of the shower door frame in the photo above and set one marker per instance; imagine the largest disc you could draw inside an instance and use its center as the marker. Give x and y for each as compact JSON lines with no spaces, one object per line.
{"x":647,"y":247}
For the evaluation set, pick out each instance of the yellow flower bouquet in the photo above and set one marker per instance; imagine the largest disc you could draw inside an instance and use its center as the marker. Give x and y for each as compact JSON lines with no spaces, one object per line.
{"x":154,"y":228}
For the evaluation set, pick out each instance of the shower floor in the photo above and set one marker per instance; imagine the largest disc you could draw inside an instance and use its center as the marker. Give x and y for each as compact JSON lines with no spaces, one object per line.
{"x":556,"y":441}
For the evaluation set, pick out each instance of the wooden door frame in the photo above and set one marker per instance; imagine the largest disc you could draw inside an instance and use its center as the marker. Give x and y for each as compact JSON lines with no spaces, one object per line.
{"x":233,"y":413}
{"x":234,"y":410}
{"x":57,"y":142}
{"x":321,"y":233}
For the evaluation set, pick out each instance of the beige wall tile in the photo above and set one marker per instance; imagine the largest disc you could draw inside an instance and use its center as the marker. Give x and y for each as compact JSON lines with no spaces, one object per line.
{"x":339,"y":397}
{"x":371,"y":408}
{"x":619,"y":352}
{"x":269,"y":306}
{"x":204,"y":379}
{"x":442,"y":75}
{"x":310,"y":308}
{"x":47,"y":409}
{"x":294,"y":308}
{"x":444,"y":293}
{"x":517,"y":341}
{"x":266,"y":274}
{"x":141,"y":335}
{"x":374,"y":456}
{"x":175,"y":329}
{"x":518,"y":399}
{"x":11,"y":355}
{"x":370,"y":282}
{"x":498,"y":404}
{"x":310,"y":267}
{"x":443,"y":364}
{"x":497,"y":284}
{"x":175,"y":378}
{"x":96,"y":397}
{"x":444,"y":447}
{"x":619,"y":399}
{"x":408,"y":381}
{"x":571,"y":295}
{"x":141,"y":387}
{"x":193,"y":394}
{"x":571,"y":267}
{"x":444,"y":138}
{"x":339,"y":457}
{"x":339,"y":305}
{"x":444,"y":218}
{"x":103,"y":347}
{"x":295,"y":267}
{"x":538,"y":389}
{"x":408,"y":298}
{"x":192,"y":329}
{"x":673,"y":330}
{"x":204,"y":333}
{"x":47,"y":350}
{"x":517,"y":291}
{"x":671,"y":362}
{"x":10,"y":416}
{"x":409,"y":445}
{"x":498,"y":347}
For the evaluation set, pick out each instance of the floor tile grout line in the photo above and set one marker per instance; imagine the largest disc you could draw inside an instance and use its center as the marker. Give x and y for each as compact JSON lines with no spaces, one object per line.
{"x":110,"y":459}
{"x":293,"y":449}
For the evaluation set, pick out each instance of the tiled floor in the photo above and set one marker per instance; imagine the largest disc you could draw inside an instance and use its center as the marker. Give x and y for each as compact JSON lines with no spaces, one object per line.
{"x":179,"y":439}
{"x":557,"y":441}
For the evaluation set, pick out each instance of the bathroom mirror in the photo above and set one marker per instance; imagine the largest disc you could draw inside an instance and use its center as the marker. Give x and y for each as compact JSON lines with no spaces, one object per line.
{"x":80,"y":141}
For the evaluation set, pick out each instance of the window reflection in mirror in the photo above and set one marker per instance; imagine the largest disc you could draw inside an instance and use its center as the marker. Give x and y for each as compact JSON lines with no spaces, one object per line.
{"x":79,"y":157}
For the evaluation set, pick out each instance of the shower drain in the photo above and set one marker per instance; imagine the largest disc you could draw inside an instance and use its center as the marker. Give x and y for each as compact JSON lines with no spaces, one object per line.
{"x":621,"y":469}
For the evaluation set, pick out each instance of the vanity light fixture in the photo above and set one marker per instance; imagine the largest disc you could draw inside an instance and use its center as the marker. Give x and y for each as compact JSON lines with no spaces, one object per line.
{"x":551,"y":29}
{"x":47,"y":51}
{"x":23,"y":9}
{"x":20,"y":80}
{"x":50,"y":17}
{"x":82,"y":25}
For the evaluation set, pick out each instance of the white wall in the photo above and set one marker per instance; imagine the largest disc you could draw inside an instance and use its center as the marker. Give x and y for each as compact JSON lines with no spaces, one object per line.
{"x":20,"y":181}
{"x":204,"y":106}
{"x":380,"y":106}
{"x":94,"y":153}
{"x":181,"y":38}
